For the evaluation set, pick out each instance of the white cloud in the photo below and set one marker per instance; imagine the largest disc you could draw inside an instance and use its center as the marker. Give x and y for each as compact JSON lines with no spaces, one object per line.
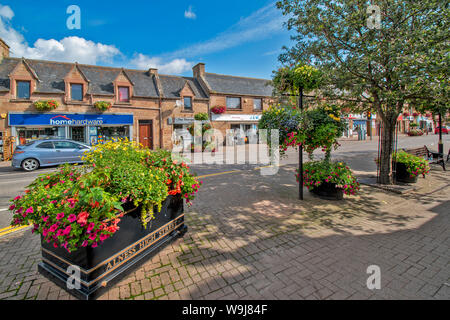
{"x":69,"y":49}
{"x":261,"y":24}
{"x":189,"y":14}
{"x":175,"y":66}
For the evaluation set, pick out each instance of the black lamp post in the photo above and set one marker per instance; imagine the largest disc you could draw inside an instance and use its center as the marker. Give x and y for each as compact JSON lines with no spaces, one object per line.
{"x":440,"y":144}
{"x":300,"y":151}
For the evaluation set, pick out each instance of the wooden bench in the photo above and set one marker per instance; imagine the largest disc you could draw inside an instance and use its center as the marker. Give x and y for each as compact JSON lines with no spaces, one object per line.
{"x":431,"y":156}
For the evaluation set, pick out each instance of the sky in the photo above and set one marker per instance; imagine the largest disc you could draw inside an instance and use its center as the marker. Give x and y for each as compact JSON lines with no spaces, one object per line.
{"x":235,"y":37}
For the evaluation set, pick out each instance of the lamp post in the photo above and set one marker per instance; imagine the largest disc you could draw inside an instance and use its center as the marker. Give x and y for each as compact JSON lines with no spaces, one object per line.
{"x":440,"y":144}
{"x":300,"y":151}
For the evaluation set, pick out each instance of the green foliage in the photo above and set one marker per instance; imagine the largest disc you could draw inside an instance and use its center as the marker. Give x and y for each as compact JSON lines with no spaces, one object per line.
{"x":46,"y":105}
{"x":414,"y":165}
{"x":102,"y":105}
{"x":317,"y":172}
{"x":201,"y":116}
{"x":81,"y":206}
{"x":291,"y":79}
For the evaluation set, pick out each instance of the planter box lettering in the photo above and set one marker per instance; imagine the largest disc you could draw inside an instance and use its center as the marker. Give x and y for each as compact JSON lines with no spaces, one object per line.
{"x":116,"y":257}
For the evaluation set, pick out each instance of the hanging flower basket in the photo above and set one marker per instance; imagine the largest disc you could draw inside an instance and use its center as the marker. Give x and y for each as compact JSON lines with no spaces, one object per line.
{"x":102,"y":105}
{"x":46,"y":105}
{"x":406,"y":114}
{"x":218,"y":110}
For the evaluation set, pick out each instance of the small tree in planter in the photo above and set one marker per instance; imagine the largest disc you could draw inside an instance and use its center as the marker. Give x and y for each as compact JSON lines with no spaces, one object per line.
{"x":46,"y":105}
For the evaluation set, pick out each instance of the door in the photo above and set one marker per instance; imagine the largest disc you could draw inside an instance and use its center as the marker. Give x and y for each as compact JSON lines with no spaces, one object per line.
{"x":46,"y":153}
{"x":146,"y":133}
{"x":77,"y":134}
{"x":66,"y":151}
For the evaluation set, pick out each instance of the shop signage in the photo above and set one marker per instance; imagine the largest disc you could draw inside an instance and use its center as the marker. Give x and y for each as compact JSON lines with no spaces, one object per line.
{"x":183,"y":120}
{"x":52,"y":119}
{"x":236,"y":117}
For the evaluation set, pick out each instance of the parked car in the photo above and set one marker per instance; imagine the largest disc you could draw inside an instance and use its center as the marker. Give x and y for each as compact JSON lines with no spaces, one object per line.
{"x":444,"y":130}
{"x":48,"y":152}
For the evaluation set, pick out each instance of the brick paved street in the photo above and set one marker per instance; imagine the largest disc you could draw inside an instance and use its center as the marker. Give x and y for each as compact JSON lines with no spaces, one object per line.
{"x":249,"y":238}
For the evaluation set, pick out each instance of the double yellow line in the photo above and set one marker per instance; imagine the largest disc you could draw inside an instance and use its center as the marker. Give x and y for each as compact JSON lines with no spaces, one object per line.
{"x":11,"y":229}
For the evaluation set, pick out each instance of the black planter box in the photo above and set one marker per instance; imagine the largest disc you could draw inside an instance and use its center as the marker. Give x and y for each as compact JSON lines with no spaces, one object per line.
{"x":118,"y":256}
{"x":328,"y":191}
{"x":402,"y":175}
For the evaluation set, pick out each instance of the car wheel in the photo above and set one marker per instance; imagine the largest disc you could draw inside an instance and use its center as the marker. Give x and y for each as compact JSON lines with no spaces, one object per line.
{"x":30,"y":164}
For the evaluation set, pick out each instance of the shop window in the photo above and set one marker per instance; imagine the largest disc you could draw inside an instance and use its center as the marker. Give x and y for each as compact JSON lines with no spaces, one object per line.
{"x":76,"y":92}
{"x":233,"y":103}
{"x":124,"y":94}
{"x":188,"y":103}
{"x":23,"y":89}
{"x":257,"y":104}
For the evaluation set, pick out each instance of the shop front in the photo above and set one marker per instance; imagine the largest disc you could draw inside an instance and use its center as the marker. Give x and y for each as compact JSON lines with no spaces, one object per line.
{"x":86,"y":128}
{"x":239,"y":128}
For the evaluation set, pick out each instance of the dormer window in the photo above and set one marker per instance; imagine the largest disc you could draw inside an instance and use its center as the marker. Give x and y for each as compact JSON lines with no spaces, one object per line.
{"x":124,"y":94}
{"x":23,"y":89}
{"x":187,"y":103}
{"x":76,"y":92}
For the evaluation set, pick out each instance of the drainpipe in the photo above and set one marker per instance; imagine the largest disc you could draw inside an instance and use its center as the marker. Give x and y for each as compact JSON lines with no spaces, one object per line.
{"x":160,"y":124}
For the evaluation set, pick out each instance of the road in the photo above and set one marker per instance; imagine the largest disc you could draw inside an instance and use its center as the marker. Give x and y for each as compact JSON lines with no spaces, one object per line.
{"x":358,"y":154}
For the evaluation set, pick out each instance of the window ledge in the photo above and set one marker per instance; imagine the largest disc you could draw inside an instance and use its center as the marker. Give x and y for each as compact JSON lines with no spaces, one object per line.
{"x":76,"y":102}
{"x":187,"y":111}
{"x":123,"y":103}
{"x":20,"y":100}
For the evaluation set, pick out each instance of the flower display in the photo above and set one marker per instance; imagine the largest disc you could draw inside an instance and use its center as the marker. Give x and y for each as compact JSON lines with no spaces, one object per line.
{"x":317,"y":172}
{"x":218,"y":110}
{"x":46,"y":105}
{"x":102,"y":105}
{"x":80,"y":206}
{"x":414,"y":165}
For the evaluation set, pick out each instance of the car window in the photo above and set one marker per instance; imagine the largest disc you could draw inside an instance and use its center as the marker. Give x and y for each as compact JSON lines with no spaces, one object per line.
{"x":65,"y":145}
{"x":45,"y":145}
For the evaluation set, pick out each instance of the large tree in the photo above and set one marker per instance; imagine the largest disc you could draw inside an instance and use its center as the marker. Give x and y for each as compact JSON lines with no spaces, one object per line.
{"x":377,"y":54}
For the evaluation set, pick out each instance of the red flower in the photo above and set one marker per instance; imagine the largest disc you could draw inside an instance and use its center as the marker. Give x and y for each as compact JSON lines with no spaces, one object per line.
{"x":82,"y":218}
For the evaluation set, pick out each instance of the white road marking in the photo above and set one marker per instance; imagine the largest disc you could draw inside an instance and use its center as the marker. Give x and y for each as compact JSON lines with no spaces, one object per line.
{"x":3,"y":210}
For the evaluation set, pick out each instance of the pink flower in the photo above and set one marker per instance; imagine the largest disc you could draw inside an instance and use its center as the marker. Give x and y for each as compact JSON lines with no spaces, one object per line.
{"x":72,"y":218}
{"x":17,"y":198}
{"x":82,"y":218}
{"x":67,"y":230}
{"x":29,"y":210}
{"x":91,"y":226}
{"x":53,"y":228}
{"x":85,"y":243}
{"x":55,"y":245}
{"x":53,"y":202}
{"x":60,"y":232}
{"x":11,"y":207}
{"x":103,"y":237}
{"x":44,"y":232}
{"x":45,"y":219}
{"x":60,"y":216}
{"x":94,"y":245}
{"x":93,"y":236}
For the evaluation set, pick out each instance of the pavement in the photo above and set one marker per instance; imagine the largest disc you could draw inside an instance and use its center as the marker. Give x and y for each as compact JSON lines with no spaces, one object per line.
{"x":250,"y":238}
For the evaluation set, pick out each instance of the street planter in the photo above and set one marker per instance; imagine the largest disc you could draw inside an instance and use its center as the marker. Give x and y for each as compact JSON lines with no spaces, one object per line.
{"x":118,"y":256}
{"x":328,"y":191}
{"x":402,"y":174}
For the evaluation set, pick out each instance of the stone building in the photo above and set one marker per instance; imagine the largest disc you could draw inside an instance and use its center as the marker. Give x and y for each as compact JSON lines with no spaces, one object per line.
{"x":145,"y":106}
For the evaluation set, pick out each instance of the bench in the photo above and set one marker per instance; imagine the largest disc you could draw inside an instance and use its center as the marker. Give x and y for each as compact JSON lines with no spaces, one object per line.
{"x":431,"y":156}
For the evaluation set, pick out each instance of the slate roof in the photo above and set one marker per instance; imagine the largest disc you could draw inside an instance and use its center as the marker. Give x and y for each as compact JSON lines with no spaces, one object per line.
{"x":51,"y":75}
{"x":172,"y":85}
{"x":238,"y":85}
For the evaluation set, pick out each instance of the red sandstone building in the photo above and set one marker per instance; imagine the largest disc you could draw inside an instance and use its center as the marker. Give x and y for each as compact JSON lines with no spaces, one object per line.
{"x":146,"y":106}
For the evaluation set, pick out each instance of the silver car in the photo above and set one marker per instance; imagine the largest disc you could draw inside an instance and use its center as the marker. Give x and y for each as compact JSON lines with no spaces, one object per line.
{"x":48,"y":152}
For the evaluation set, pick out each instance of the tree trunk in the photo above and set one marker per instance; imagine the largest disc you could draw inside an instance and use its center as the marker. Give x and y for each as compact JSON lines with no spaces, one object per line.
{"x":387,"y":147}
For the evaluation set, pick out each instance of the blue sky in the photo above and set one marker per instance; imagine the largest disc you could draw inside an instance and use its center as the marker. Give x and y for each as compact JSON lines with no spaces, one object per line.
{"x":231,"y":37}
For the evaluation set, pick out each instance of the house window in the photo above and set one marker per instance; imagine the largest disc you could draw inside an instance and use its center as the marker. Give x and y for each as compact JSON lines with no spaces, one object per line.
{"x":23,"y":89}
{"x":188,"y":103}
{"x":233,"y":103}
{"x":76,"y":92}
{"x":124,"y":94}
{"x":257,"y":104}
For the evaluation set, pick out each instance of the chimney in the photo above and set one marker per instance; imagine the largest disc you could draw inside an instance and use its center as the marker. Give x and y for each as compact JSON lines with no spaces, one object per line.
{"x":4,"y":50}
{"x":153,"y":71}
{"x":199,"y":70}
